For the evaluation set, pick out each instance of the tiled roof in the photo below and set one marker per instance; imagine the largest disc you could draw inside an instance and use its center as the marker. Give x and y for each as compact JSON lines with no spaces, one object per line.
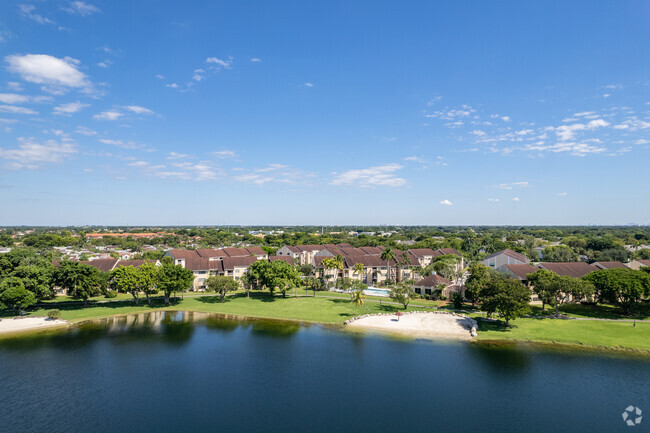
{"x":230,"y":263}
{"x":203,"y":264}
{"x":609,"y":265}
{"x":184,"y":254}
{"x":449,"y":251}
{"x":513,"y":254}
{"x":421,"y":252}
{"x":256,"y":250}
{"x":282,"y":258}
{"x":367,"y":261}
{"x":236,"y":252}
{"x":644,"y":262}
{"x":521,"y":270}
{"x":211,"y":253}
{"x":572,"y":269}
{"x":432,"y":281}
{"x":104,"y":265}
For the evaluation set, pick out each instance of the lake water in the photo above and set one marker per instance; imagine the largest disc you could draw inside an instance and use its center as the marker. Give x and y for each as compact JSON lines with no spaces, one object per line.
{"x":183,"y":372}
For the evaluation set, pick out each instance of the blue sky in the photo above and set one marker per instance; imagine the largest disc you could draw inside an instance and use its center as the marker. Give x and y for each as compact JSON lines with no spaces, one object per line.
{"x":290,"y":112}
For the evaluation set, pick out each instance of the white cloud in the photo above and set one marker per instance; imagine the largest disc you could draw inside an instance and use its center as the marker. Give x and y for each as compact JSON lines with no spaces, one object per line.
{"x":139,"y":164}
{"x":111,"y":142}
{"x":172,"y":85}
{"x":497,"y":116}
{"x":27,"y":11}
{"x":16,"y":110}
{"x":567,"y":132}
{"x":108,"y":115}
{"x":415,"y":159}
{"x":478,"y":133}
{"x":31,"y":154}
{"x":255,"y":59}
{"x":220,"y":62}
{"x":225,"y":154}
{"x":512,"y":185}
{"x":494,"y":200}
{"x":14,"y":86}
{"x":81,"y":8}
{"x":85,"y":131}
{"x":160,"y":77}
{"x":515,"y":199}
{"x":13,"y":98}
{"x":562,"y":194}
{"x":174,"y":155}
{"x":446,"y":202}
{"x":307,"y":84}
{"x":382,"y":175}
{"x":201,"y":171}
{"x":57,"y":75}
{"x":105,"y":64}
{"x":137,"y":109}
{"x":69,"y":108}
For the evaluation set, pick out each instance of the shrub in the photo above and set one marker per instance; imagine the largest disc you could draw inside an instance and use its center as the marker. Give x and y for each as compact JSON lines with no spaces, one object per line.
{"x":457,"y":299}
{"x":111,"y":294}
{"x":53,"y":314}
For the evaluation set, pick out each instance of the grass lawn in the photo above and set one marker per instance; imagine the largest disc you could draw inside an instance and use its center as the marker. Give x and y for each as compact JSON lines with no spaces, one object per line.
{"x":601,"y":311}
{"x":617,"y":335}
{"x":309,"y":309}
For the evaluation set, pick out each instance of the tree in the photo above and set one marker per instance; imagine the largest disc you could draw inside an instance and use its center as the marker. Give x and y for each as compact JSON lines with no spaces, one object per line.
{"x":357,"y":293}
{"x":345,"y":284}
{"x":125,"y":279}
{"x":174,"y":278}
{"x":506,"y":297}
{"x":283,"y":276}
{"x":247,"y":283}
{"x":479,"y":276}
{"x":258,"y":272}
{"x":315,"y":284}
{"x":328,"y":263}
{"x":401,"y":293}
{"x":307,"y":269}
{"x":221,"y":285}
{"x":37,"y":278}
{"x":80,"y":280}
{"x":147,"y":278}
{"x":388,"y":254}
{"x":559,"y":253}
{"x":555,"y":290}
{"x":445,"y":265}
{"x":13,"y":295}
{"x":620,"y":286}
{"x":358,"y":269}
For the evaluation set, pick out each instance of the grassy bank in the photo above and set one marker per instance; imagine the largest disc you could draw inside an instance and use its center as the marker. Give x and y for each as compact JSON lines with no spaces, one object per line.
{"x":597,"y":334}
{"x":331,"y":308}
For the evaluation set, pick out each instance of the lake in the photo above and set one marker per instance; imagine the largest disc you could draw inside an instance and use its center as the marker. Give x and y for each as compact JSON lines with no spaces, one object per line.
{"x":169,"y":371}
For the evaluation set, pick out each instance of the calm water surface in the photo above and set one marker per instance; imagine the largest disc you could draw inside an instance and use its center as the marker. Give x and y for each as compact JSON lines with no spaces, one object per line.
{"x":185,"y":372}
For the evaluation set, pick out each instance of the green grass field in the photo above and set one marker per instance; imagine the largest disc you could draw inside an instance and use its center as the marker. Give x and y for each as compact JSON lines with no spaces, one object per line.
{"x":333,"y":308}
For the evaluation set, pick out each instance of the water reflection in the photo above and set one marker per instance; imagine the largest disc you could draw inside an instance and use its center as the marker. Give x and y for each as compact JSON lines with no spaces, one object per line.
{"x":502,"y":358}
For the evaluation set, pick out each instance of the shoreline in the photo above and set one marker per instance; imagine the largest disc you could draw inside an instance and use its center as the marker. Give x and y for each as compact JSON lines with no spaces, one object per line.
{"x":30,"y":324}
{"x":488,"y":342}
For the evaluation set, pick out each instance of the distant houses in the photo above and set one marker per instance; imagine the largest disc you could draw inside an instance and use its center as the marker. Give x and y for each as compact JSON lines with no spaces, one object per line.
{"x":498,"y":260}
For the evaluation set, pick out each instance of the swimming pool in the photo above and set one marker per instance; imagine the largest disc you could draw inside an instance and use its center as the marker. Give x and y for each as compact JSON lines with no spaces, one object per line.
{"x":376,"y":292}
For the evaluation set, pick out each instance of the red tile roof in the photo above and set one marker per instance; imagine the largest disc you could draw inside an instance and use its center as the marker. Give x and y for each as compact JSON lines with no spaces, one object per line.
{"x":609,"y":265}
{"x":522,"y":270}
{"x":421,"y":252}
{"x":572,"y":269}
{"x":230,"y":263}
{"x":104,"y":265}
{"x":432,"y":281}
{"x":513,"y":254}
{"x":184,"y":254}
{"x":283,"y":258}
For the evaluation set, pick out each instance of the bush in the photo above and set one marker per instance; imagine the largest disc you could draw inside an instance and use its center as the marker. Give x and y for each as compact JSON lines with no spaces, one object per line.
{"x":54,"y":314}
{"x":111,"y":294}
{"x":457,"y":299}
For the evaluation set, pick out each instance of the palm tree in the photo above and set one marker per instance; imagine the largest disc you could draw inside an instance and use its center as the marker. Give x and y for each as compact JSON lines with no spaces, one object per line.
{"x":388,"y":254}
{"x":358,"y":297}
{"x":358,"y":269}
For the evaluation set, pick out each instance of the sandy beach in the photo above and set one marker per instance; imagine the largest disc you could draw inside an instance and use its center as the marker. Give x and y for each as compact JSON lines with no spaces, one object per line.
{"x":8,"y":326}
{"x":426,"y":325}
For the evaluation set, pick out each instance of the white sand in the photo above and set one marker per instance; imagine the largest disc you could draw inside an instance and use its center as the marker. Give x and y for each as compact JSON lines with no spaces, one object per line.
{"x":427,"y":325}
{"x":28,"y":324}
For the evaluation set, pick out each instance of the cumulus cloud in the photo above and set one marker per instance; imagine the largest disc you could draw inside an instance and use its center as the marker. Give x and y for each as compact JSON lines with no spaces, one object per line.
{"x":137,"y":109}
{"x":31,"y":154}
{"x":81,"y":8}
{"x":16,"y":110}
{"x":515,"y":199}
{"x":56,"y":75}
{"x":13,"y":98}
{"x":494,"y":200}
{"x":220,"y":62}
{"x":69,"y":108}
{"x":307,"y":84}
{"x":512,"y":185}
{"x":85,"y":131}
{"x":567,"y":132}
{"x":445,"y":202}
{"x":108,"y":115}
{"x":174,"y":155}
{"x":382,"y":175}
{"x":29,"y":11}
{"x":225,"y":154}
{"x":255,"y":59}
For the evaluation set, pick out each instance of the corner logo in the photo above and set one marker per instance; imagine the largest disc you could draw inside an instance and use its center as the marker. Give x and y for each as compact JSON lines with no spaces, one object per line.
{"x":632,"y":416}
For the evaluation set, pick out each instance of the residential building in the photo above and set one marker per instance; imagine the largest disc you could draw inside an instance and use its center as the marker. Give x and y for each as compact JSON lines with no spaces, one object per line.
{"x":506,"y":257}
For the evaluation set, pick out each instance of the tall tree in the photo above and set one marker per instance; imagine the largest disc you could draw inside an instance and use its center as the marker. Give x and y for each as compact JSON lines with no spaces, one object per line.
{"x":13,"y":295}
{"x":174,"y":278}
{"x":555,"y":290}
{"x":624,"y":287}
{"x":147,"y":278}
{"x":388,"y":254}
{"x":506,"y":297}
{"x":359,"y":269}
{"x":401,"y":293}
{"x":125,"y":279}
{"x":222,"y":285}
{"x":80,"y":280}
{"x":479,"y":276}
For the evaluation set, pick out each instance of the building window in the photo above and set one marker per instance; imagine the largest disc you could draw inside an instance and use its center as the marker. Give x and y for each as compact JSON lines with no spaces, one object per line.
{"x":417,"y":290}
